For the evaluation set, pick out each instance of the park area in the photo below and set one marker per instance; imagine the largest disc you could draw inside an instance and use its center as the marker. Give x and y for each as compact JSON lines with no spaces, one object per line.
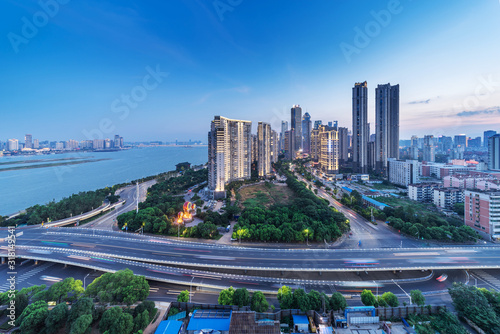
{"x":265,"y":194}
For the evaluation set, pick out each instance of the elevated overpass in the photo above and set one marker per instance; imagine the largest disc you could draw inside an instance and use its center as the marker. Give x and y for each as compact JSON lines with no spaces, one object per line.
{"x":191,"y":255}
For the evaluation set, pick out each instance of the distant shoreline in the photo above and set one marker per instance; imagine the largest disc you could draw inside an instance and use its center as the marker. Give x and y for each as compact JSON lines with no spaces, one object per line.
{"x":42,"y":153}
{"x":50,"y":165}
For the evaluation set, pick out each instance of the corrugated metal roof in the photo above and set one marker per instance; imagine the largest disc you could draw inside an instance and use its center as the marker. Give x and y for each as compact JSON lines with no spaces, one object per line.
{"x":210,"y":319}
{"x":300,"y":319}
{"x":169,"y":327}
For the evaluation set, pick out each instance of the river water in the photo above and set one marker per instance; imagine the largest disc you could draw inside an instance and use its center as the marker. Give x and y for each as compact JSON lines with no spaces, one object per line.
{"x":23,"y":188}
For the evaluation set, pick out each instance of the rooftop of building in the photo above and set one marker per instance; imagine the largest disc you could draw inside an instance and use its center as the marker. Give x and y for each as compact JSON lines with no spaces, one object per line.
{"x":210,"y":319}
{"x":169,"y":327}
{"x":300,"y":319}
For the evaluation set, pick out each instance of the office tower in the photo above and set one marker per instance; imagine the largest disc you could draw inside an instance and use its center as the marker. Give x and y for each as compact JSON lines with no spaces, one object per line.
{"x":460,"y":140}
{"x":317,"y":124}
{"x":414,"y":147}
{"x":284,"y":128}
{"x":474,"y":142}
{"x":274,"y":146}
{"x":255,"y":148}
{"x":296,"y":126}
{"x":229,"y":153}
{"x":494,"y":152}
{"x":107,"y":143}
{"x":373,"y":137}
{"x":429,"y":150}
{"x":28,"y":141}
{"x":386,"y":125}
{"x":286,"y":147}
{"x":487,"y":134}
{"x":36,"y":144}
{"x":13,"y":145}
{"x":329,"y":150}
{"x":336,"y":125}
{"x":306,"y":133}
{"x":359,"y":127}
{"x":343,"y":145}
{"x":264,"y":149}
{"x":315,"y":144}
{"x":371,"y":161}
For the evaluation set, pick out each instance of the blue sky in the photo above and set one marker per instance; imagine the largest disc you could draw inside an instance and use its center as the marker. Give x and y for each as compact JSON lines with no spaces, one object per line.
{"x":242,"y":59}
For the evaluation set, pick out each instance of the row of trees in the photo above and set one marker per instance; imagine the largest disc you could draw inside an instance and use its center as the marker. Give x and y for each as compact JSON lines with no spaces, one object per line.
{"x":67,"y":207}
{"x":241,"y":297}
{"x":307,"y":217}
{"x":87,"y":308}
{"x":389,"y":299}
{"x":299,"y":299}
{"x":479,"y":305}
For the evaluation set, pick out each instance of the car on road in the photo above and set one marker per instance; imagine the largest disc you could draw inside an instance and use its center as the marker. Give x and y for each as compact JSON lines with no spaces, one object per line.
{"x":442,"y":278}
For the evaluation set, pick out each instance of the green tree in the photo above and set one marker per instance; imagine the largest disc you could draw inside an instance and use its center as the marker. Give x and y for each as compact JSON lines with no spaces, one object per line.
{"x":56,"y":318}
{"x":82,"y":306}
{"x":141,"y":321}
{"x":258,"y":302}
{"x":21,"y":302}
{"x":226,"y":296}
{"x":32,"y":320}
{"x":381,"y":302}
{"x":338,"y":302}
{"x":81,"y":324}
{"x":122,"y":287}
{"x":368,"y":299}
{"x":183,"y":296}
{"x":67,"y":290}
{"x":31,"y":308}
{"x":147,"y":305}
{"x":109,"y":317}
{"x":285,"y":297}
{"x":314,"y":299}
{"x":390,"y":299}
{"x":417,"y":297}
{"x":241,"y":297}
{"x":471,"y":303}
{"x":300,"y":300}
{"x":123,"y":325}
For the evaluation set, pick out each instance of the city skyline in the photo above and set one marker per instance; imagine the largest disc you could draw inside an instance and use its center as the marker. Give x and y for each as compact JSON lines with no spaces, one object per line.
{"x":68,"y":94}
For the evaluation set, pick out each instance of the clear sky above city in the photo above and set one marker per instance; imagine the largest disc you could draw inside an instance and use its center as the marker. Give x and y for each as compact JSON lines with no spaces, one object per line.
{"x":160,"y":70}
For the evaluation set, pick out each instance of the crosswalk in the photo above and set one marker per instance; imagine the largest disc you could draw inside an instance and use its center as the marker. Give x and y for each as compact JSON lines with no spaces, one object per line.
{"x":491,"y":281}
{"x":21,"y":278}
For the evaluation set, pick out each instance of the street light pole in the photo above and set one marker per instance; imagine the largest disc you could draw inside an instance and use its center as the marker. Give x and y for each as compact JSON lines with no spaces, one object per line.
{"x":190,"y":285}
{"x":84,"y":280}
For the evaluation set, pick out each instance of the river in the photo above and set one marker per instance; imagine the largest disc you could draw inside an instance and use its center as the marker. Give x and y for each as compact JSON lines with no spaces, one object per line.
{"x":22,"y":188}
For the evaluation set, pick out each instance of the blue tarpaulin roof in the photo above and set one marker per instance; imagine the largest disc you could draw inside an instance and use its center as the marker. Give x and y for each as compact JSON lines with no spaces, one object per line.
{"x":169,"y":327}
{"x":210,"y":319}
{"x":300,"y":319}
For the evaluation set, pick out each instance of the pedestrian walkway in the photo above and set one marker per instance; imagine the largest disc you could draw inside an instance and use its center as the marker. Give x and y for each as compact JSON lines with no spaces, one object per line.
{"x":5,"y":287}
{"x":162,"y":307}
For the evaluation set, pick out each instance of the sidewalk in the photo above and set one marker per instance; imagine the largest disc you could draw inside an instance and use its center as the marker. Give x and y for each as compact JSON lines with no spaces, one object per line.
{"x":162,"y":308}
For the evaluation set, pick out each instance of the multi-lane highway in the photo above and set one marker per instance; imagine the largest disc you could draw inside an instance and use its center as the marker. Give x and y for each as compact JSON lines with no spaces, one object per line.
{"x":189,"y":254}
{"x":127,"y":194}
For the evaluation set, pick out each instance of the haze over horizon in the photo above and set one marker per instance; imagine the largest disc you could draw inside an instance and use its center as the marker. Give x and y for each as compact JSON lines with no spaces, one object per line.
{"x":68,"y":77}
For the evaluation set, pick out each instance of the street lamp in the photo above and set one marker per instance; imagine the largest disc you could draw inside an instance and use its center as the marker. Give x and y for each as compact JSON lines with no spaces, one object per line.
{"x":377,"y":287}
{"x":190,"y":285}
{"x":84,"y":280}
{"x":307,"y":236}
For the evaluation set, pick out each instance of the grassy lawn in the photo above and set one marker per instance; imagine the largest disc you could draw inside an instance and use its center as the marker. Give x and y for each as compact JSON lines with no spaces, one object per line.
{"x":265,"y":194}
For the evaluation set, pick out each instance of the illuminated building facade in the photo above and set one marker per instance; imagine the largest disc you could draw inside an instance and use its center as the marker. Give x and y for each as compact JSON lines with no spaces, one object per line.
{"x":229,"y":153}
